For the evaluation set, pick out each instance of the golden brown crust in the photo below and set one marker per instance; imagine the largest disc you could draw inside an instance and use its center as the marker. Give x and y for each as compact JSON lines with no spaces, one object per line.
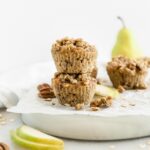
{"x":127,"y":73}
{"x":72,"y":57}
{"x":71,"y":44}
{"x":73,"y":90}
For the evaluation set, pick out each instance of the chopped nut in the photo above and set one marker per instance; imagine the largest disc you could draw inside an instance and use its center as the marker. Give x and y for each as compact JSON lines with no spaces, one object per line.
{"x":79,"y":106}
{"x":101,"y":101}
{"x":45,"y":91}
{"x":121,"y":89}
{"x":3,"y":146}
{"x":66,"y":85}
{"x":94,"y":72}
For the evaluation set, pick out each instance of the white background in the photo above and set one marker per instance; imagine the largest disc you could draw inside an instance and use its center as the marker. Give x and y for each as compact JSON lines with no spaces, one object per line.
{"x":29,"y":27}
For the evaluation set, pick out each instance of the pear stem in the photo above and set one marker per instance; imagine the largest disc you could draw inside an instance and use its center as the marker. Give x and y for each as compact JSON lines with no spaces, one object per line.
{"x":122,"y":21}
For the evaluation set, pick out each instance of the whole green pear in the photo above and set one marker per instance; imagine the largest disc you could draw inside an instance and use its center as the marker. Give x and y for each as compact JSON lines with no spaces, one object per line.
{"x":125,"y":44}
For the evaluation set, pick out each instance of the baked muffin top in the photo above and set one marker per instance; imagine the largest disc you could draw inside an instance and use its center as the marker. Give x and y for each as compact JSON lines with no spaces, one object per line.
{"x":71,"y":44}
{"x":124,"y":64}
{"x":74,"y":78}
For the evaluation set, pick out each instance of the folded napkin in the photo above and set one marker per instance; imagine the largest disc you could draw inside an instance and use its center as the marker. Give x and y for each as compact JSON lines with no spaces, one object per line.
{"x":15,"y":83}
{"x":7,"y":98}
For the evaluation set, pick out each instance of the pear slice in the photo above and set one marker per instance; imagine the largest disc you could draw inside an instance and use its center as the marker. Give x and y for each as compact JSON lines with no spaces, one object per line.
{"x":33,"y":145}
{"x":34,"y":135}
{"x":106,"y":91}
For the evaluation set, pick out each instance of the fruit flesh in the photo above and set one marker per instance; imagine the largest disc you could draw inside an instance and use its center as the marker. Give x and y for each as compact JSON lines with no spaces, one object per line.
{"x":33,"y":135}
{"x":33,"y":145}
{"x":106,"y":91}
{"x":125,"y":45}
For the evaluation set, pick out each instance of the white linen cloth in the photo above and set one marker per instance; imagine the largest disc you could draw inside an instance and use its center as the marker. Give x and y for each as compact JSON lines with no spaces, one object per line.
{"x":15,"y":83}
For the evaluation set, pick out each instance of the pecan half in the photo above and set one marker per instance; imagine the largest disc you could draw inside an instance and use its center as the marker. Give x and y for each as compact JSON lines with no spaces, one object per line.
{"x":45,"y":91}
{"x":3,"y":146}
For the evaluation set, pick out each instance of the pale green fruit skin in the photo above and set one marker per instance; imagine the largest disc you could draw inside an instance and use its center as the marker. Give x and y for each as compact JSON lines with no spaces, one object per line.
{"x":22,"y":132}
{"x":31,"y":145}
{"x":102,"y":90}
{"x":126,"y":46}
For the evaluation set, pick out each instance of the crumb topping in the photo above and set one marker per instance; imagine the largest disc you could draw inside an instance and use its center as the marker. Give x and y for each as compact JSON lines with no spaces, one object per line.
{"x":72,"y":44}
{"x":101,"y":101}
{"x":124,"y":64}
{"x":74,"y":78}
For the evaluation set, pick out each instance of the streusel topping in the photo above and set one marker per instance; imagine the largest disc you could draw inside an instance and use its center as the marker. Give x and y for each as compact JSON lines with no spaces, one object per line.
{"x":74,"y":78}
{"x":129,"y":65}
{"x":72,"y":44}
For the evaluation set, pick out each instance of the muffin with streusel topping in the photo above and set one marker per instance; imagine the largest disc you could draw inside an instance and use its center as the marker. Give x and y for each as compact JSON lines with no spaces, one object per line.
{"x":74,"y":56}
{"x":128,"y":73}
{"x":74,"y":89}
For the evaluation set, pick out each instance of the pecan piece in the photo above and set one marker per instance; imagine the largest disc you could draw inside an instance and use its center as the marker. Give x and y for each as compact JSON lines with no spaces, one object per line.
{"x":45,"y":91}
{"x":3,"y":146}
{"x":101,"y":101}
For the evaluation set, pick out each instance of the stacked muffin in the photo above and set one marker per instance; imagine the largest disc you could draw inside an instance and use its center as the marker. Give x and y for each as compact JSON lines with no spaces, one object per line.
{"x":75,"y":80}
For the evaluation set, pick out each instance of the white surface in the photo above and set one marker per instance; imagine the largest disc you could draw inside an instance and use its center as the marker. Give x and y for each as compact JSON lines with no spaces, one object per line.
{"x":90,"y":127}
{"x":29,"y":27}
{"x":134,"y":144}
{"x":115,"y":122}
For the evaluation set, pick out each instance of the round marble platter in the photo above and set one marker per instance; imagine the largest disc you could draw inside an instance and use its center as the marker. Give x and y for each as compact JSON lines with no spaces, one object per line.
{"x":128,"y":117}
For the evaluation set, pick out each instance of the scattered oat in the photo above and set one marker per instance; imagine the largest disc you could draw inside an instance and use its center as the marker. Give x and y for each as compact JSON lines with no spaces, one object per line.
{"x":94,"y":108}
{"x":112,"y":146}
{"x":142,"y":145}
{"x":101,"y":101}
{"x":124,"y":104}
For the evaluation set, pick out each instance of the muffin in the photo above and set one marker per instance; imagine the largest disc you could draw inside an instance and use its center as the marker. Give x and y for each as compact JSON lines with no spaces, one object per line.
{"x":74,"y":89}
{"x":74,"y":56}
{"x":127,"y":73}
{"x":145,"y":60}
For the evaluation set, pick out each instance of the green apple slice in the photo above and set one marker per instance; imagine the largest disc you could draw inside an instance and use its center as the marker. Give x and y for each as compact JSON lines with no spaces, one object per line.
{"x":106,"y":91}
{"x":34,"y":135}
{"x":33,"y":145}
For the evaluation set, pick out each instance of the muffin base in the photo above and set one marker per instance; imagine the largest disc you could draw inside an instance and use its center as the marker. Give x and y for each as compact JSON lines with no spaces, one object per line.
{"x":77,"y":61}
{"x":74,"y":94}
